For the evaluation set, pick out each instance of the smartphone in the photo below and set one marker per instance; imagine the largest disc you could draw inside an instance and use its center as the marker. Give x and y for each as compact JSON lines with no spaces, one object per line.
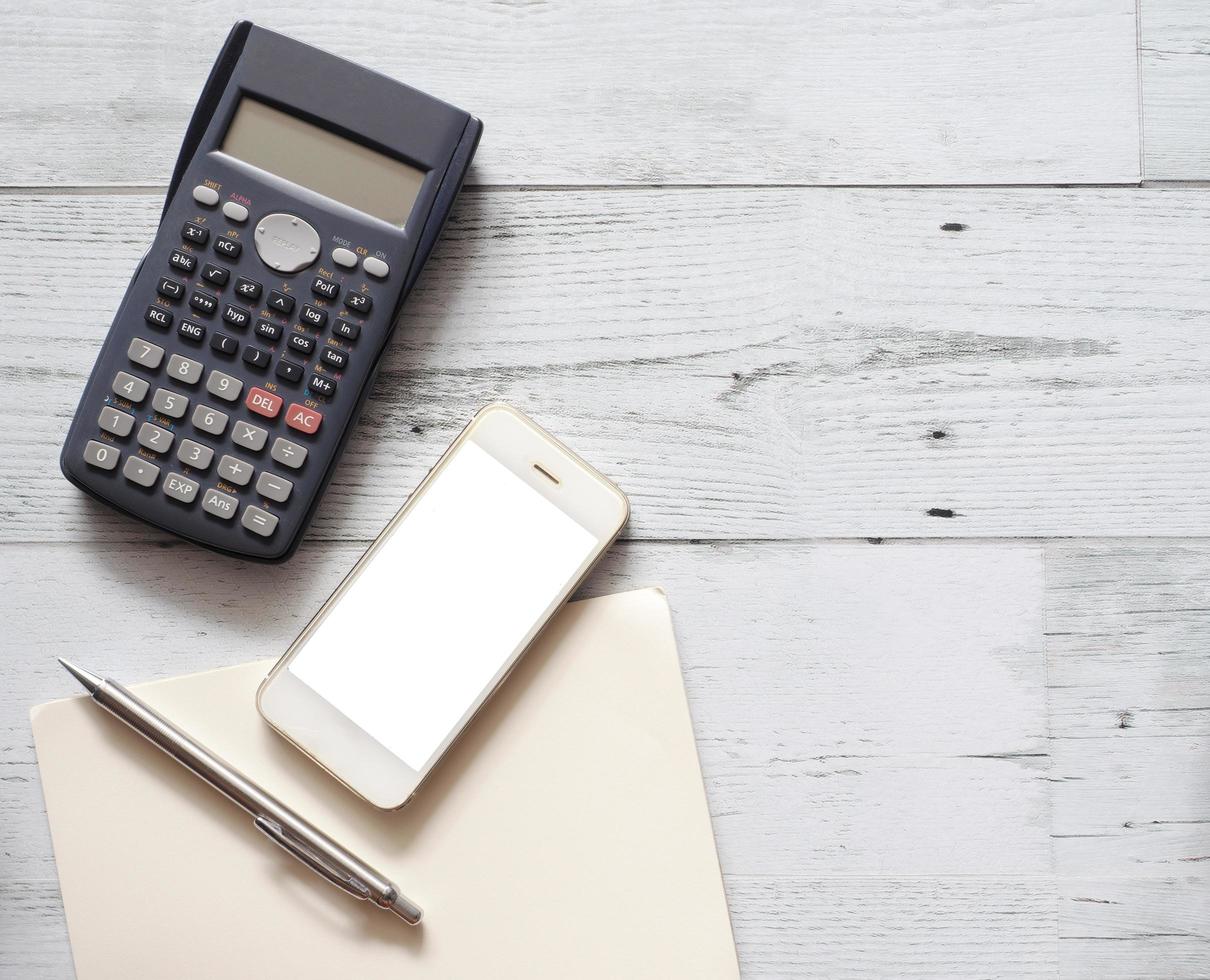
{"x":442,"y":605}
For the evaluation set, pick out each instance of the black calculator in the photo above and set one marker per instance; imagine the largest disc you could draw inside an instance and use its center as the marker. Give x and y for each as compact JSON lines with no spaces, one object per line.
{"x":307,"y":195}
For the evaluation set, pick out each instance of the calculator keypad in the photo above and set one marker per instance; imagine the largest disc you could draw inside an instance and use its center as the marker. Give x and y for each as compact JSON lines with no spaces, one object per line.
{"x":219,"y":402}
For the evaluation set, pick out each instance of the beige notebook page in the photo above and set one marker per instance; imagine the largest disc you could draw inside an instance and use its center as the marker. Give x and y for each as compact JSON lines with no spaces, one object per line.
{"x":566,"y":836}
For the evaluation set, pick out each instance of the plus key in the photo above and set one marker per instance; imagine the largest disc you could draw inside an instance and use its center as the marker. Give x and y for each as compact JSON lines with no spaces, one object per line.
{"x":302,"y":418}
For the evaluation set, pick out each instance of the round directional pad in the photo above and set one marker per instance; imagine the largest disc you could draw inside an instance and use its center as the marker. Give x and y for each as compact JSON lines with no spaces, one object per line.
{"x":286,"y":243}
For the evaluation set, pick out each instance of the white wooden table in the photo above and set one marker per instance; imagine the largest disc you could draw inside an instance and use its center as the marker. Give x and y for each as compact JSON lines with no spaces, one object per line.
{"x":892,"y":317}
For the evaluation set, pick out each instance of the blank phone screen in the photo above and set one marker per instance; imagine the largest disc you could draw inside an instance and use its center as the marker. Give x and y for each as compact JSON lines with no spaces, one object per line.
{"x":441,"y":608}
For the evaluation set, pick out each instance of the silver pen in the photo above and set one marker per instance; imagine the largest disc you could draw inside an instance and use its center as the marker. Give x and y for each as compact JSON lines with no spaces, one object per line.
{"x":272,"y":817}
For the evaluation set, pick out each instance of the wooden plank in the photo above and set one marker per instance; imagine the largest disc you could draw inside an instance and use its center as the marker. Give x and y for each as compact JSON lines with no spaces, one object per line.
{"x":1127,"y":630}
{"x":618,"y":92}
{"x":1127,"y":928}
{"x":1175,"y":66}
{"x":818,"y":705}
{"x":747,"y":363}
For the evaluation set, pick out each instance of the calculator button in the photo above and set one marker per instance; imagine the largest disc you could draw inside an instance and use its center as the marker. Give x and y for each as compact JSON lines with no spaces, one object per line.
{"x":237,"y":316}
{"x":235,"y":471}
{"x":247,"y":288}
{"x":216,"y":275}
{"x":192,"y":331}
{"x":154,"y":438}
{"x":376,"y":268}
{"x":325,"y":287}
{"x":300,"y":343}
{"x":236,"y":212}
{"x":205,"y":195}
{"x":286,"y":243}
{"x":346,"y":330}
{"x":282,"y":302}
{"x":256,"y":357}
{"x":288,"y":453}
{"x":144,"y":354}
{"x":210,"y":420}
{"x":180,"y":488}
{"x":313,"y":316}
{"x":343,"y":257}
{"x":249,"y":436}
{"x":334,"y":358}
{"x":101,"y":456}
{"x":224,"y":344}
{"x":358,"y":302}
{"x":274,"y":487}
{"x":195,"y":454}
{"x":170,"y":288}
{"x":170,"y":403}
{"x":264,"y":403}
{"x":203,"y":302}
{"x":322,"y":385}
{"x":224,"y":386}
{"x":228,"y":247}
{"x":128,"y":386}
{"x":140,"y":471}
{"x":182,"y":261}
{"x":268,"y":329}
{"x":219,"y":504}
{"x":302,"y":418}
{"x":193,"y":232}
{"x":185,"y":370}
{"x":259,"y":521}
{"x":157,"y":316}
{"x":119,"y":423}
{"x":289,"y":371}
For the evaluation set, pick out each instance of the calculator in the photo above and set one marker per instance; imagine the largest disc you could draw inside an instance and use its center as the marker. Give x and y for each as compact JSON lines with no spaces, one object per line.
{"x":306,"y":197}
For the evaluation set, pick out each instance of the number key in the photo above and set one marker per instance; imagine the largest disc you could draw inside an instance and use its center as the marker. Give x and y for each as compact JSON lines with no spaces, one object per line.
{"x":154,"y":438}
{"x":195,"y":454}
{"x":101,"y":456}
{"x":145,"y":354}
{"x":210,"y":420}
{"x":128,"y":386}
{"x":184,"y":370}
{"x":224,"y":386}
{"x":170,"y":403}
{"x":119,"y":423}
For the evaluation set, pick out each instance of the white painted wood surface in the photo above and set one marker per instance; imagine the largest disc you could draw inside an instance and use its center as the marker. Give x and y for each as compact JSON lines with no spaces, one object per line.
{"x":621,"y":92}
{"x":969,"y":758}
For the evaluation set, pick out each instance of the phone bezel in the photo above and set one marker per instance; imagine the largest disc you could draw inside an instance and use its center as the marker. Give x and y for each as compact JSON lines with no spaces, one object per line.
{"x":332,"y":740}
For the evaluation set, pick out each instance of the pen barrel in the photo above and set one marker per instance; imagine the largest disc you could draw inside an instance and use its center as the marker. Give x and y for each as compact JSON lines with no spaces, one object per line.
{"x":238,"y":788}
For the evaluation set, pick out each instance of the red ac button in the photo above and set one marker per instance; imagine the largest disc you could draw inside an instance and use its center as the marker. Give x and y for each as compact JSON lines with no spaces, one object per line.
{"x":302,"y":418}
{"x":263,"y":402}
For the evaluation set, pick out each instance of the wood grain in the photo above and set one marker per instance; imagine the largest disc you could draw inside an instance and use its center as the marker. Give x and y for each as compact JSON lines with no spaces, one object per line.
{"x":750,"y":363}
{"x":617,"y":92}
{"x":1174,"y":59}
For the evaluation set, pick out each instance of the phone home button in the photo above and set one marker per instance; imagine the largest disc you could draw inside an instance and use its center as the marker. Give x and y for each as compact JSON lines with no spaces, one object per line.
{"x":286,"y":243}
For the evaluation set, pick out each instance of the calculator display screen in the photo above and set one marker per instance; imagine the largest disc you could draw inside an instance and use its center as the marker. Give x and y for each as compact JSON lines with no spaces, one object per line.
{"x":312,"y":157}
{"x":419,"y":635}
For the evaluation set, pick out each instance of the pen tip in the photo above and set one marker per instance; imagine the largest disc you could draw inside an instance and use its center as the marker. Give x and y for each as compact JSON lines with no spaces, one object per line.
{"x":89,"y":680}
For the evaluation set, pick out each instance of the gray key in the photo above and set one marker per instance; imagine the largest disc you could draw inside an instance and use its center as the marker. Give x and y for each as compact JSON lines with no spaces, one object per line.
{"x":235,"y":471}
{"x":119,"y":423}
{"x":219,"y":504}
{"x":209,"y":420}
{"x":259,"y":521}
{"x":170,"y":403}
{"x":140,"y":471}
{"x":128,"y":386}
{"x":224,"y":386}
{"x":154,"y":438}
{"x":195,"y":454}
{"x":288,"y":453}
{"x":274,"y":487}
{"x":180,"y":488}
{"x":184,"y":369}
{"x":249,"y":436}
{"x":145,"y":353}
{"x":101,"y":456}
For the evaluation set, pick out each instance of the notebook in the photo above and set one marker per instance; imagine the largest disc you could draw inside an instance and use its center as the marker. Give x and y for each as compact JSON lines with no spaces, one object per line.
{"x":566,"y":836}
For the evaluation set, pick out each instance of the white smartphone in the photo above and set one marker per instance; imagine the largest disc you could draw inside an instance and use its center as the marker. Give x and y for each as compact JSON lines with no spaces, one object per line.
{"x":442,"y":605}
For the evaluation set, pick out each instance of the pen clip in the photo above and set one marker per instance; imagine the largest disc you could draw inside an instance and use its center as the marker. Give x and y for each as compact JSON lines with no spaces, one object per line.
{"x":276,"y":833}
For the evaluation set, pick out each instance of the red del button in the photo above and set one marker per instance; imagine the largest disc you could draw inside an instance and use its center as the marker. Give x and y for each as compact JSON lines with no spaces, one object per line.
{"x":302,"y":418}
{"x":264,"y":402}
